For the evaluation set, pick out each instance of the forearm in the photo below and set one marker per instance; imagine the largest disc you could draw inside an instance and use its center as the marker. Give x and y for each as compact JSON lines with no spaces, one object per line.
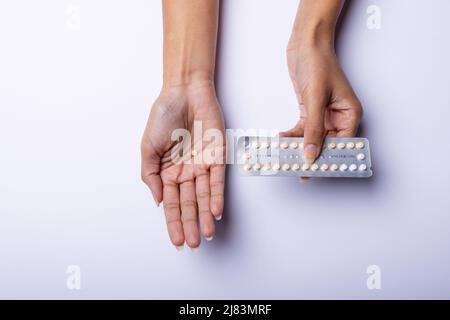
{"x":315,"y":23}
{"x":190,"y":38}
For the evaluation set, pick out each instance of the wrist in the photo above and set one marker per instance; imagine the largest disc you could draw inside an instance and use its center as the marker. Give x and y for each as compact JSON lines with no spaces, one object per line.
{"x":312,"y":32}
{"x":313,"y":35}
{"x":191,"y":85}
{"x":187,"y":78}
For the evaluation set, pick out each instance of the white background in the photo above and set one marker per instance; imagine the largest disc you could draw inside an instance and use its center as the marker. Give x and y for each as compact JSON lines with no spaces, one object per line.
{"x":74,"y":102}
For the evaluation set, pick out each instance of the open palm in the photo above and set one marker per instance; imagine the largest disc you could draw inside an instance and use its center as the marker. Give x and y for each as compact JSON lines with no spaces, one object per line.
{"x":188,"y":174}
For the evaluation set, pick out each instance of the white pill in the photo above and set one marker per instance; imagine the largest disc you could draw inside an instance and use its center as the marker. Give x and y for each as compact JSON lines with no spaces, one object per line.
{"x":247,"y":156}
{"x":285,"y":145}
{"x":266,"y":167}
{"x":353,"y":167}
{"x":341,"y":145}
{"x":362,"y":167}
{"x":334,"y":167}
{"x":276,"y":167}
{"x":274,"y":145}
{"x":332,"y":145}
{"x":194,"y":153}
{"x":324,"y":167}
{"x":350,"y":145}
{"x":295,"y":167}
{"x":294,"y":145}
{"x":315,"y":167}
{"x":286,"y":167}
{"x":257,"y":167}
{"x":247,"y":167}
{"x":343,"y":167}
{"x":256,"y":145}
{"x":305,"y":167}
{"x":361,"y":156}
{"x":360,"y":145}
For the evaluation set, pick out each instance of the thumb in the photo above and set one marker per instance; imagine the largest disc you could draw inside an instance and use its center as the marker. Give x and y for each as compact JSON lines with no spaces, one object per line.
{"x":314,"y":126}
{"x":150,"y":171}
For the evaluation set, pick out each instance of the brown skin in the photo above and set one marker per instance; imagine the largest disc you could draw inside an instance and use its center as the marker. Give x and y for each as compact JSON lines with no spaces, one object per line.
{"x":328,"y":104}
{"x":192,"y":193}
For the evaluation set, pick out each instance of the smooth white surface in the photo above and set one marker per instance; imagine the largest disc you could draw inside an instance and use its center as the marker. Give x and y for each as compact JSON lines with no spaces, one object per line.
{"x":73,"y":104}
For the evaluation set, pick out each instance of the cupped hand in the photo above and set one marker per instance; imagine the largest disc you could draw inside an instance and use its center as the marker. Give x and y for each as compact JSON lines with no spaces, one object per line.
{"x":328,"y":104}
{"x":187,"y":174}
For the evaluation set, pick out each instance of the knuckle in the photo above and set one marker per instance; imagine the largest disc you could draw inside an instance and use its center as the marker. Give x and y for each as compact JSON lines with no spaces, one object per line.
{"x":188,"y":220}
{"x":216,"y":185}
{"x":188,"y":204}
{"x":203,"y":194}
{"x":314,"y":132}
{"x":171,"y":206}
{"x":204,"y":212}
{"x":172,"y":221}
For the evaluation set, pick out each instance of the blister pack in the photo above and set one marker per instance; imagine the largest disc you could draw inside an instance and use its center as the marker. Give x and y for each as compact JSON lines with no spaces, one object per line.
{"x":283,"y":157}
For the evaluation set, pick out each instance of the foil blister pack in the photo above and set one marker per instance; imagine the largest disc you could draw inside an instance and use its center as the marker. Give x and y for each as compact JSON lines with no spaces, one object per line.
{"x":283,"y":157}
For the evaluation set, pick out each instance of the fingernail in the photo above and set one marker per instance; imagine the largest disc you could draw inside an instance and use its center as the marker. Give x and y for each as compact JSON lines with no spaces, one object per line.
{"x":156,"y":201}
{"x":218,"y":218}
{"x":310,"y":153}
{"x":195,"y":250}
{"x":180,"y":248}
{"x":209,"y":238}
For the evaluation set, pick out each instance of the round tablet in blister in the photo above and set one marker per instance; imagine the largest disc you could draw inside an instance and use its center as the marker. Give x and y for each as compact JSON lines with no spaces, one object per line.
{"x":360,"y":145}
{"x":361,"y":156}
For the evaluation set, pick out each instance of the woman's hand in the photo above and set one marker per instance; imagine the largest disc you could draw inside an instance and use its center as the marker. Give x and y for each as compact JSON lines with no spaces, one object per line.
{"x":328,"y":105}
{"x":191,"y":187}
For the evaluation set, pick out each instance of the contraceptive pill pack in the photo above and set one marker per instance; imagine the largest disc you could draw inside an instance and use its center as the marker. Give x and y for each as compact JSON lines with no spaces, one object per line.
{"x":283,"y":157}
